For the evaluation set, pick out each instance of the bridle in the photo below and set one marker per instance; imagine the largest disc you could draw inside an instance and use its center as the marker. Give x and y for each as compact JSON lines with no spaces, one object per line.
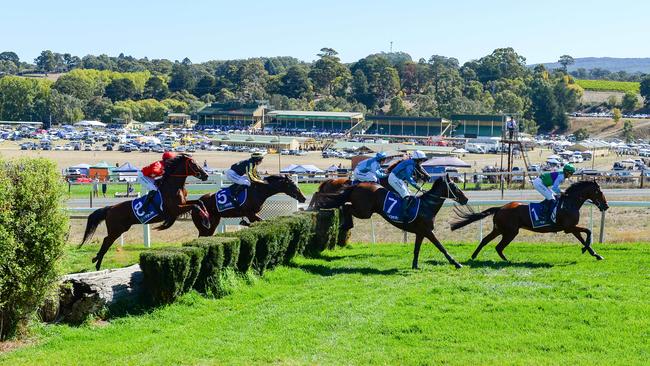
{"x":190,"y":171}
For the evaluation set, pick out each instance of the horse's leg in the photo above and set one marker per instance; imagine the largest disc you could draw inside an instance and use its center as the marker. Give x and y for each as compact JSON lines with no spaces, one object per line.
{"x":429,"y":235}
{"x":346,"y":211}
{"x":416,"y":250}
{"x":493,"y":234}
{"x":113,"y":234}
{"x":585,"y":242}
{"x":197,"y":219}
{"x":506,"y":238}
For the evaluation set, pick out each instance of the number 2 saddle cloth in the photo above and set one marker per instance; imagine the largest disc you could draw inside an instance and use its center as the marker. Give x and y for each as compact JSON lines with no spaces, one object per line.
{"x":393,"y":208}
{"x":153,"y":209}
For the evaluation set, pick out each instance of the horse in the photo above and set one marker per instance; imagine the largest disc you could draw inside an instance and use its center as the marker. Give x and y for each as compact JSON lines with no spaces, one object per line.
{"x":368,"y":198}
{"x":511,"y":217}
{"x":120,"y":217}
{"x":335,"y":185}
{"x":258,"y":193}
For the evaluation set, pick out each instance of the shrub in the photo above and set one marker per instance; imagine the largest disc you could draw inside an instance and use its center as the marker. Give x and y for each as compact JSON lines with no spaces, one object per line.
{"x":196,"y":255}
{"x":213,"y":261}
{"x":300,"y":229}
{"x":164,"y":274}
{"x":326,"y":231}
{"x":33,"y":229}
{"x":247,"y":245}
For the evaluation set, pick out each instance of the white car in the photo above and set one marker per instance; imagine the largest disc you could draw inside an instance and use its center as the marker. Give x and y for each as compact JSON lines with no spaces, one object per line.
{"x":58,"y":147}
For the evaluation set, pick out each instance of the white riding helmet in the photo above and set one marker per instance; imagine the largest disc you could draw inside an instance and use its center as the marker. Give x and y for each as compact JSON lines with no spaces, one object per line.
{"x":417,"y":154}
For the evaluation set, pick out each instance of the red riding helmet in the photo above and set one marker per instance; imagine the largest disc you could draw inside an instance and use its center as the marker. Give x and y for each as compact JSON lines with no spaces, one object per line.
{"x":168,"y":155}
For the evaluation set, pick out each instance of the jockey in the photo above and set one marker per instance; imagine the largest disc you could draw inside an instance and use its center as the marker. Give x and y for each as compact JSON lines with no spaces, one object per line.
{"x":548,"y":184}
{"x":403,"y":173}
{"x":370,"y":170}
{"x":243,"y":173}
{"x":149,"y":174}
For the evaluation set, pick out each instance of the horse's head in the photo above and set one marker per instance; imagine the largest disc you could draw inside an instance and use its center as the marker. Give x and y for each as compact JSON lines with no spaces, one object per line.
{"x":183,"y":165}
{"x":284,"y":184}
{"x":446,"y":188}
{"x":588,"y":190}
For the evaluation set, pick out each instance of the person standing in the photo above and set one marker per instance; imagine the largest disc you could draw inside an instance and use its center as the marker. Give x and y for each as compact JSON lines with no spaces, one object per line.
{"x":95,"y":186}
{"x":104,"y":188}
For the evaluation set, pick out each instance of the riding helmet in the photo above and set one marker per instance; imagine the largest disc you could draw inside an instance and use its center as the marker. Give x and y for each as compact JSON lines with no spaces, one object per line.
{"x":168,"y":155}
{"x":418,"y":155}
{"x":568,"y":168}
{"x":381,"y":156}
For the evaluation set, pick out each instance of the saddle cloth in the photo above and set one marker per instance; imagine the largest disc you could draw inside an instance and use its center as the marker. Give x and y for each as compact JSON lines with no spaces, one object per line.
{"x":393,"y":208}
{"x":540,"y":213}
{"x":224,"y":201}
{"x":146,"y":214}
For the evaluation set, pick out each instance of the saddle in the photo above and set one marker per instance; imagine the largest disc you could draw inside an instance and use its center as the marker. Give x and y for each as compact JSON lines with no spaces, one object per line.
{"x":224,"y":199}
{"x":151,"y":211}
{"x":393,"y":208}
{"x":541,"y":212}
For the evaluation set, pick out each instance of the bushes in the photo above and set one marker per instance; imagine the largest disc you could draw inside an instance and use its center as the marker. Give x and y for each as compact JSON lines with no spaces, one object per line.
{"x":212,"y":265}
{"x":33,"y":230}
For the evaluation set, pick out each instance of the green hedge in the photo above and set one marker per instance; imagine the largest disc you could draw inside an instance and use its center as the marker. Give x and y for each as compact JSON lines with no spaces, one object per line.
{"x":33,"y":232}
{"x":212,"y":261}
{"x":165,"y":272}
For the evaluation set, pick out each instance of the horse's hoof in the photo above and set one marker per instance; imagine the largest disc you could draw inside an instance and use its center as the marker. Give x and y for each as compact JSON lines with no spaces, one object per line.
{"x":584,"y":250}
{"x":94,"y":259}
{"x":458,"y":265}
{"x":599,"y":257}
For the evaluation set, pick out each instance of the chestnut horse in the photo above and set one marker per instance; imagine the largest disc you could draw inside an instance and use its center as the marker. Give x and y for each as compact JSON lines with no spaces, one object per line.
{"x":119,"y":218}
{"x":508,"y":219}
{"x":334,"y":185}
{"x":258,"y":193}
{"x":368,"y":198}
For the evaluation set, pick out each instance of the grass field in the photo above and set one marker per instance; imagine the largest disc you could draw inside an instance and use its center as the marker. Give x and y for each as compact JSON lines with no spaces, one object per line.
{"x":609,"y":85}
{"x":363,"y":305}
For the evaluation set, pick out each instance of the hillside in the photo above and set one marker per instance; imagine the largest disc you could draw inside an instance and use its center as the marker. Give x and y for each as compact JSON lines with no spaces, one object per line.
{"x":609,"y":85}
{"x":613,"y":64}
{"x":607,"y":128}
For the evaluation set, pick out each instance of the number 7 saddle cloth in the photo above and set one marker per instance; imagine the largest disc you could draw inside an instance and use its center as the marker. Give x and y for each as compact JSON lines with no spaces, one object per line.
{"x":393,"y":204}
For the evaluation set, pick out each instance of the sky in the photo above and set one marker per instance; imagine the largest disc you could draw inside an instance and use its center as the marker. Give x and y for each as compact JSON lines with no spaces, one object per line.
{"x":203,"y":30}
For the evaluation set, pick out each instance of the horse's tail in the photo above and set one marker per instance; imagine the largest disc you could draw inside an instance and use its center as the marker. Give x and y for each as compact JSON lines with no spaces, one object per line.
{"x":469,"y":217}
{"x":94,"y":219}
{"x":330,"y":200}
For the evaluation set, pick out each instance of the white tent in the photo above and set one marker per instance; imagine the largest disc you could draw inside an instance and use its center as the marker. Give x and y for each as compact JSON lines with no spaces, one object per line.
{"x":303,"y":168}
{"x":90,"y":124}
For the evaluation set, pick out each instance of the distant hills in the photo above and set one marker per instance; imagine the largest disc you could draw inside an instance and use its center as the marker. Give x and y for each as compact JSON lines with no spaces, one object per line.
{"x":613,"y":64}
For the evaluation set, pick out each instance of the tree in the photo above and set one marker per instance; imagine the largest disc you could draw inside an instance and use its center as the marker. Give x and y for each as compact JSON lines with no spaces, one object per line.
{"x":397,"y":107}
{"x":182,"y":77}
{"x":581,"y":134}
{"x":630,"y":102}
{"x":46,"y":61}
{"x":565,"y":61}
{"x":612,"y":101}
{"x":120,"y":89}
{"x":98,"y":108}
{"x":628,"y":132}
{"x":155,"y":88}
{"x":71,"y":62}
{"x":205,"y":85}
{"x":616,"y":114}
{"x":77,"y":85}
{"x":295,"y":83}
{"x":327,"y":69}
{"x":65,"y":108}
{"x":503,"y":63}
{"x":11,"y":57}
{"x":508,"y":102}
{"x":644,"y":89}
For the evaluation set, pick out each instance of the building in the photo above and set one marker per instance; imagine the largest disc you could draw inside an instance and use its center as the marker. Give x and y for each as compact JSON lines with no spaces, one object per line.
{"x":230,"y":116}
{"x":399,"y":126}
{"x":478,"y":125}
{"x":178,"y":119}
{"x":263,"y":141}
{"x":312,"y":121}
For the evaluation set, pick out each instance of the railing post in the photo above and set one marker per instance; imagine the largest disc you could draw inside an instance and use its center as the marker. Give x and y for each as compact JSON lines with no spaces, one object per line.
{"x":480,"y":230}
{"x":372,"y":230}
{"x":91,"y":199}
{"x":601,"y":235}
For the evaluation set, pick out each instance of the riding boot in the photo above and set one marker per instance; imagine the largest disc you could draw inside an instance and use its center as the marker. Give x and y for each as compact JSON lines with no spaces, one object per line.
{"x":408,"y":202}
{"x":235,"y":189}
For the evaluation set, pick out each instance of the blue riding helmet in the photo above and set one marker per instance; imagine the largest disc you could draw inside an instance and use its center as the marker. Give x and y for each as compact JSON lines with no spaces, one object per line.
{"x":380,"y":156}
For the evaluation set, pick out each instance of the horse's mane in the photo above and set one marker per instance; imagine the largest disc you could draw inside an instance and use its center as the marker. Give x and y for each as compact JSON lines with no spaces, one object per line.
{"x":578,"y":186}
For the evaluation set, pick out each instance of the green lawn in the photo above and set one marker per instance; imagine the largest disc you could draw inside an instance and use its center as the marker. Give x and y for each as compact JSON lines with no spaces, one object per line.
{"x":363,"y":305}
{"x":83,"y":190}
{"x":609,"y":85}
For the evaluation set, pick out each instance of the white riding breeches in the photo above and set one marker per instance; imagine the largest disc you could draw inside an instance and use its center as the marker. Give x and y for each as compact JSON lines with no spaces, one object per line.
{"x":147,"y":183}
{"x":543,"y":190}
{"x":366,"y":177}
{"x":398,"y":185}
{"x":238,"y":179}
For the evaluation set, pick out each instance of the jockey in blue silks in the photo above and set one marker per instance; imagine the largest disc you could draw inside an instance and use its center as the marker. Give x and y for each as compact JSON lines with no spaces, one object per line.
{"x":370,"y":170}
{"x":403,"y":173}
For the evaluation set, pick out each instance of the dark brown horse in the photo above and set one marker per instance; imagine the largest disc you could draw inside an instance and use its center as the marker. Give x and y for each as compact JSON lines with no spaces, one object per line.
{"x":367,"y":198}
{"x":258,"y":193}
{"x":508,"y":219}
{"x":119,"y":218}
{"x":335,"y":185}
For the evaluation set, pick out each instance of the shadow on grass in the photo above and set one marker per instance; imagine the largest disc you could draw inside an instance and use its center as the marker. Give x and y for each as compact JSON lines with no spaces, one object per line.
{"x":330,"y":257}
{"x":326,"y":271}
{"x":473,"y":263}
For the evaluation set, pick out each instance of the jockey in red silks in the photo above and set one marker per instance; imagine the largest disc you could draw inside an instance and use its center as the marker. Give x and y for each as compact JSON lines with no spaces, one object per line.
{"x":150,"y":173}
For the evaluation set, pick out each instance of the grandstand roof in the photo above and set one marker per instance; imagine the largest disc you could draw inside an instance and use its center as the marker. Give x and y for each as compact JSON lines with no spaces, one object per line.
{"x":314,"y":115}
{"x":234,"y":109}
{"x":406,"y":118}
{"x":478,"y":117}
